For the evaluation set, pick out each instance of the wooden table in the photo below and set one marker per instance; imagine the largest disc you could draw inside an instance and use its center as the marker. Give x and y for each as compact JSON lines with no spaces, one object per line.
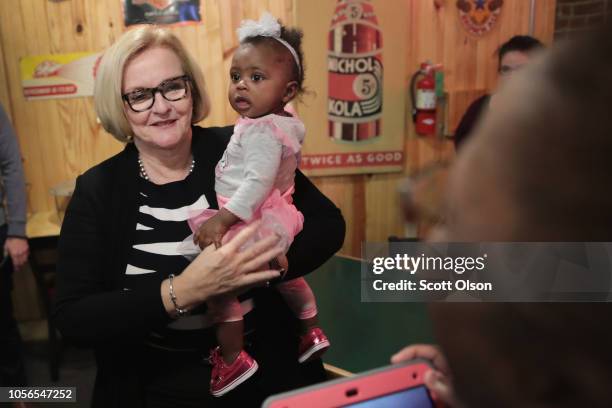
{"x":47,"y":223}
{"x":363,"y":335}
{"x":43,"y":224}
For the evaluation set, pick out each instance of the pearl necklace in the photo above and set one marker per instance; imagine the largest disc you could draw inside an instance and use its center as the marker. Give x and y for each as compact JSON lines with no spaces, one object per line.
{"x":143,"y":172}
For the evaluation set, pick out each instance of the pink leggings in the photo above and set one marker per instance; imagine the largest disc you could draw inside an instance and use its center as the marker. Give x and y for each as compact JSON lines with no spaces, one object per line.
{"x":296,"y":292}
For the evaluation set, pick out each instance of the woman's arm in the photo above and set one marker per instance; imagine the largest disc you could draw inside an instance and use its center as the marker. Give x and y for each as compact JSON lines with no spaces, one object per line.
{"x":323,"y":232}
{"x":89,"y":306}
{"x":91,"y":309}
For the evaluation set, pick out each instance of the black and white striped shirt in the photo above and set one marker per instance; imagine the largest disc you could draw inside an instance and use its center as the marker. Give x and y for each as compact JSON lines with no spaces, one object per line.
{"x":161,"y":235}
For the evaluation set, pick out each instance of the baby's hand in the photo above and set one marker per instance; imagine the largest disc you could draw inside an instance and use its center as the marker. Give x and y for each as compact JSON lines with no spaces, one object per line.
{"x":213,"y":230}
{"x":210,"y":232}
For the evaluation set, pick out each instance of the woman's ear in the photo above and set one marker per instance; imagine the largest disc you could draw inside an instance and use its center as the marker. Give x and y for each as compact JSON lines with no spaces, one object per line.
{"x":290,"y":91}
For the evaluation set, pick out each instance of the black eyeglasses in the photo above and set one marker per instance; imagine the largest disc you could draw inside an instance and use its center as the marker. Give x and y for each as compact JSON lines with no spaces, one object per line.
{"x":172,"y":90}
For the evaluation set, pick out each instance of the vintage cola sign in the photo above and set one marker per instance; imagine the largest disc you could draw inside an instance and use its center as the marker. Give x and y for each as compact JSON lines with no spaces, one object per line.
{"x":355,"y":72}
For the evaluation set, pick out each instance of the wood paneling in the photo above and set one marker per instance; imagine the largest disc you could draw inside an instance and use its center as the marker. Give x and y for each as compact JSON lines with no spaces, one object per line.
{"x":4,"y":90}
{"x":61,"y":138}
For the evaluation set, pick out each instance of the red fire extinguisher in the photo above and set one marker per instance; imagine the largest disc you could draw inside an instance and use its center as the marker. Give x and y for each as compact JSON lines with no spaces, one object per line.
{"x":423,"y":96}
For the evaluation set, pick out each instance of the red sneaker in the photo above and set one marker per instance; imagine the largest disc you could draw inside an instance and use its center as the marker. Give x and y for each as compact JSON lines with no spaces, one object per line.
{"x":312,"y":345}
{"x":225,"y":378}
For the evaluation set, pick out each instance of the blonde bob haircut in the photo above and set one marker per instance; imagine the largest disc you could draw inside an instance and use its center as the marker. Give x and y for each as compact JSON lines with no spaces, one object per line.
{"x":107,"y":91}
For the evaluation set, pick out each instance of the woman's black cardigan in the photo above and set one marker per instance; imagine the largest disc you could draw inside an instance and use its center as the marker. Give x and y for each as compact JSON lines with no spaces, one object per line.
{"x":92,"y":308}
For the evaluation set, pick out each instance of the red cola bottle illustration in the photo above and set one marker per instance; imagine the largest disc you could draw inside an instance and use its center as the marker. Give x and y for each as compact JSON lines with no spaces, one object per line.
{"x":355,"y":72}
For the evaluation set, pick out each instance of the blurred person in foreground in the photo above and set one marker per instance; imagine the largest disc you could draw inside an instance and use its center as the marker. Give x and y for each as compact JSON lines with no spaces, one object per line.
{"x":537,"y":171}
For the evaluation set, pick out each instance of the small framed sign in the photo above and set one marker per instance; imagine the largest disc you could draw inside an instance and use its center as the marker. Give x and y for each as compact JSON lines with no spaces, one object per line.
{"x":478,"y":17}
{"x":174,"y":12}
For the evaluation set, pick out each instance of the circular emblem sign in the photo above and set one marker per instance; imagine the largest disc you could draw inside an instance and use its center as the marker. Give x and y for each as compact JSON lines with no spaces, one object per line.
{"x":479,"y":16}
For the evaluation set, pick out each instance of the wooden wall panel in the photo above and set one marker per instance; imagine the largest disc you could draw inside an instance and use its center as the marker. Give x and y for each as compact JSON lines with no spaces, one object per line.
{"x":4,"y":86}
{"x":60,"y":138}
{"x":348,"y":194}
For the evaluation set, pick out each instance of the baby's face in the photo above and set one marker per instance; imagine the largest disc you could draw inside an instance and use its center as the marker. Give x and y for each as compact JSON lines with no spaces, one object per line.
{"x":260,"y":81}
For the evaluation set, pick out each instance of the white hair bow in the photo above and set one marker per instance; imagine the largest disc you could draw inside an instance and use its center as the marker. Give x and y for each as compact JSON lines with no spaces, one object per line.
{"x":267,"y":26}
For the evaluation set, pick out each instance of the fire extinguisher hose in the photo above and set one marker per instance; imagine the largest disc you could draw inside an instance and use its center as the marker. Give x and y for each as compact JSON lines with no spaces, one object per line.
{"x":413,"y":96}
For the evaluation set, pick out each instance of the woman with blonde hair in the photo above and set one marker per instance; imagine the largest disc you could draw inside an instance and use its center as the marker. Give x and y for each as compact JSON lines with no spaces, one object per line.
{"x":123,"y":285}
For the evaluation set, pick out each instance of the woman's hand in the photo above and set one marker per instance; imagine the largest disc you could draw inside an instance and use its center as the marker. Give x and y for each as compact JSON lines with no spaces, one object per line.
{"x":218,"y":271}
{"x":437,"y":380}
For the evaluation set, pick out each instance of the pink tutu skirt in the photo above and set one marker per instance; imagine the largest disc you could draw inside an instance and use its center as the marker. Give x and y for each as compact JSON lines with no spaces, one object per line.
{"x":278,"y":214}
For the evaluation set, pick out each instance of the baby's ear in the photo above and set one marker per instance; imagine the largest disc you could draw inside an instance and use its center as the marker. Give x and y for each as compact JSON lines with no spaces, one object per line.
{"x":290,"y":91}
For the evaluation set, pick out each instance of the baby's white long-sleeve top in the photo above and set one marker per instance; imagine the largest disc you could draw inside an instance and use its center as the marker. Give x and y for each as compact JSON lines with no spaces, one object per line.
{"x":262,"y":155}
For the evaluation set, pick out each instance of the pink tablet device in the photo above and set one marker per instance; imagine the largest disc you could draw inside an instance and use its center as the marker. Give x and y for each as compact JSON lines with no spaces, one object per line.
{"x":398,"y":385}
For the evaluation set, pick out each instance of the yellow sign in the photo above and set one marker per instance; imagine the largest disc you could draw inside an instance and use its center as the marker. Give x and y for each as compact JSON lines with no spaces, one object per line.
{"x":58,"y":75}
{"x":355,"y":56}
